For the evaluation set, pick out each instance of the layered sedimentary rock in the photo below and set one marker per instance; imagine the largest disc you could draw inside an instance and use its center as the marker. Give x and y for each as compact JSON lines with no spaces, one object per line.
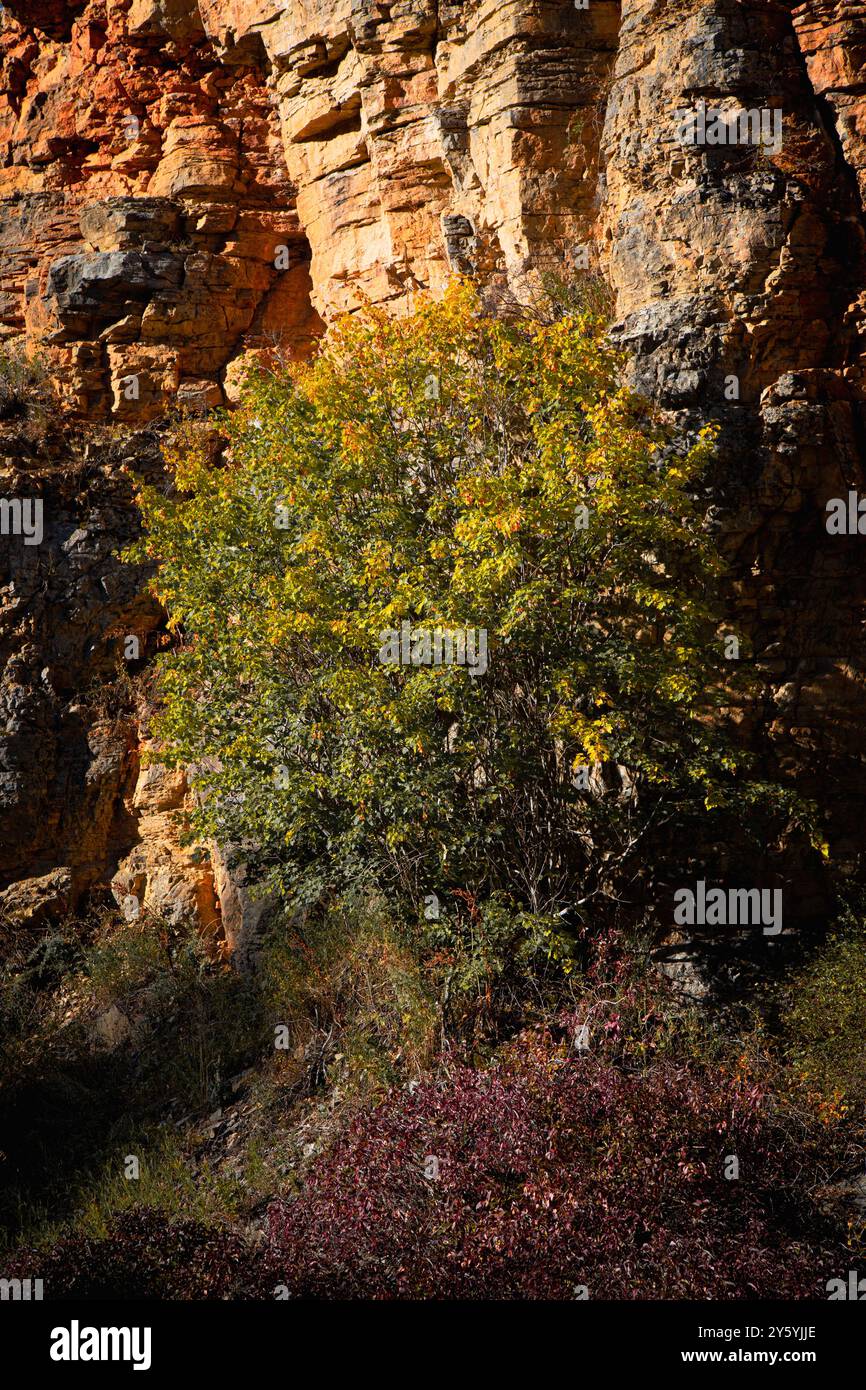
{"x":78,"y":810}
{"x":739,"y":276}
{"x":149,"y":232}
{"x":184,"y":185}
{"x":185,"y":182}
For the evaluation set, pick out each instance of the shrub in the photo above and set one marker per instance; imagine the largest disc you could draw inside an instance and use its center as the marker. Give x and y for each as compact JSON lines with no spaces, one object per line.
{"x":449,"y":471}
{"x":822,"y":1024}
{"x":554,"y":1171}
{"x":348,"y":981}
{"x":25,"y":392}
{"x":143,"y":1255}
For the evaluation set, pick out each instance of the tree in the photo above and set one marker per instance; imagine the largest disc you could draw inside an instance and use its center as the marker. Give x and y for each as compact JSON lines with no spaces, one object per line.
{"x":443,"y":474}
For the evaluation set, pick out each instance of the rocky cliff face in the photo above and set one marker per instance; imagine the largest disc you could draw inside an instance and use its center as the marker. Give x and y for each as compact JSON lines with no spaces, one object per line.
{"x":185,"y":183}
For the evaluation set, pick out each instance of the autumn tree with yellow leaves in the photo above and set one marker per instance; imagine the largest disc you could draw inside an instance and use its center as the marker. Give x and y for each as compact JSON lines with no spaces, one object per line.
{"x":450,"y":472}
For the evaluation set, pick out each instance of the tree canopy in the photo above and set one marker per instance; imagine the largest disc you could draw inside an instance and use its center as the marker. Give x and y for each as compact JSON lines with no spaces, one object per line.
{"x":452,"y":472}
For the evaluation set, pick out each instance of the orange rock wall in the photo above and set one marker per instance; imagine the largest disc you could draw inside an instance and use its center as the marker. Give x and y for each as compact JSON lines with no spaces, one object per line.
{"x":184,"y":183}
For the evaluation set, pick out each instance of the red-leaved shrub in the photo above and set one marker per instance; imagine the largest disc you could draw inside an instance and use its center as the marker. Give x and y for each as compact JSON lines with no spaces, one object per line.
{"x":548,"y":1172}
{"x":143,"y":1255}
